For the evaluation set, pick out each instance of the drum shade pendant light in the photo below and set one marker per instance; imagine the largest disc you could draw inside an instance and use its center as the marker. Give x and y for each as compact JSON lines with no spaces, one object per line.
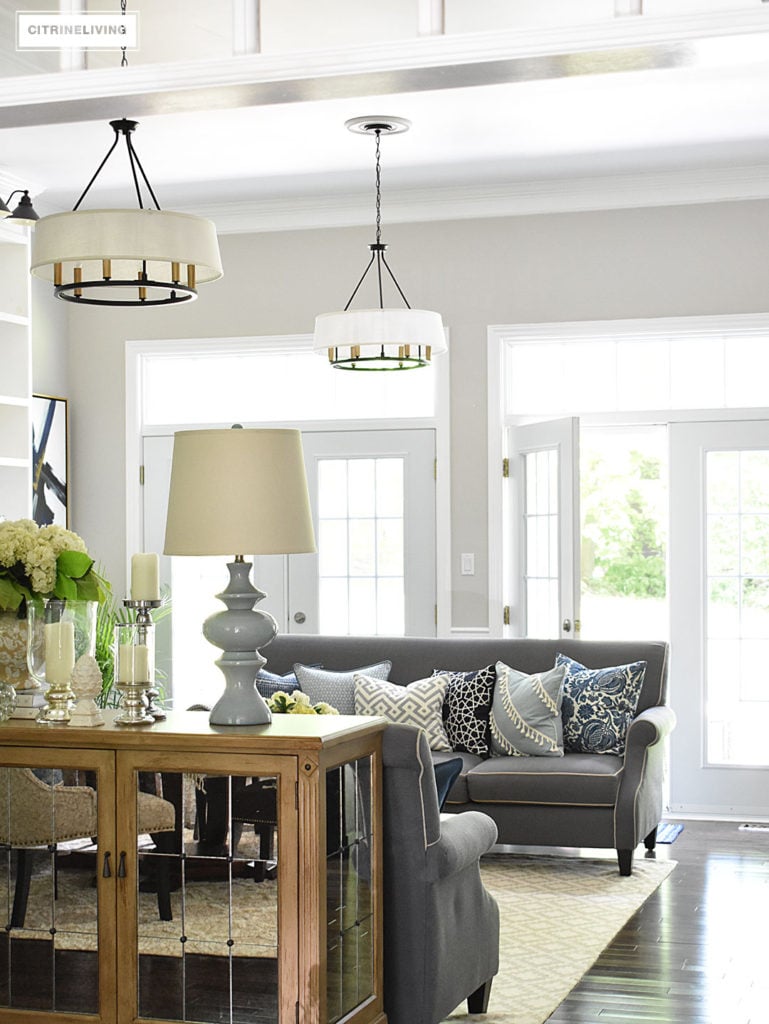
{"x":125,"y":257}
{"x":382,"y":338}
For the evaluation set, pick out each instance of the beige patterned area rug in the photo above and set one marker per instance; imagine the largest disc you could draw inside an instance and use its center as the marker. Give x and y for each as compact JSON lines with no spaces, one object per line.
{"x":557,"y":915}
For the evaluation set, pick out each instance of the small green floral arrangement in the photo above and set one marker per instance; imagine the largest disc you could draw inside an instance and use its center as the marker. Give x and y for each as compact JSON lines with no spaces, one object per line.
{"x":38,"y":562}
{"x":297,"y":703}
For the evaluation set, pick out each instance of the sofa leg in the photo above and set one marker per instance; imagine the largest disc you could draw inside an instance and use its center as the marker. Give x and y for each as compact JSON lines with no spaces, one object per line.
{"x":625,"y":859}
{"x":651,"y":840}
{"x":478,"y":1001}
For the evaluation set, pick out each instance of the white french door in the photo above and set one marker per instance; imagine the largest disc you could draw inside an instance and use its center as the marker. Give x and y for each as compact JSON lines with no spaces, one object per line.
{"x":373,"y":499}
{"x":719,"y":604}
{"x":544,"y":505}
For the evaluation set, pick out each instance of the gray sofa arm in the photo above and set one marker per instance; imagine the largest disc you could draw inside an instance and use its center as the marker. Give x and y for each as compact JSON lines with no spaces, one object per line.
{"x":464,"y":839}
{"x":650,"y":727}
{"x":639,"y":801}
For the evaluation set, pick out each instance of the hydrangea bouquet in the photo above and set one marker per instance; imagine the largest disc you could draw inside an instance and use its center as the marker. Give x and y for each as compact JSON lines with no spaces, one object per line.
{"x":297,"y":703}
{"x":38,"y":562}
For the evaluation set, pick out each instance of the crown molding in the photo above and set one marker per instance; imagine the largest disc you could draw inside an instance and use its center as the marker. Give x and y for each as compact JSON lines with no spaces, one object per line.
{"x":566,"y":195}
{"x":428,"y":62}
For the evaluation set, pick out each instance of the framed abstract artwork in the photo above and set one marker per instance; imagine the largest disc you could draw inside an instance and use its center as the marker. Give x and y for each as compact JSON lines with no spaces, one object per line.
{"x":50,"y":461}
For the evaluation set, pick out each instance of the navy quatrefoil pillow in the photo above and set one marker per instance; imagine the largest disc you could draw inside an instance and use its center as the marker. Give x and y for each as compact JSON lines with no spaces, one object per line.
{"x":599,"y":705}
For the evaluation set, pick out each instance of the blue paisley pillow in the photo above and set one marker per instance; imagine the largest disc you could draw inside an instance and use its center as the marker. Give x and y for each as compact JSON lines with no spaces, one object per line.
{"x":598,"y":705}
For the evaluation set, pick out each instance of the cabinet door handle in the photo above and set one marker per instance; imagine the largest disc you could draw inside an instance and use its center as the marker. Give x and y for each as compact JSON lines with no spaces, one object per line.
{"x":121,"y":865}
{"x":106,"y":871}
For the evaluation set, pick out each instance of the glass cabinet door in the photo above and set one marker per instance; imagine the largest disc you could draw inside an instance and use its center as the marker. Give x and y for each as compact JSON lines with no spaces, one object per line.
{"x":350,"y":933}
{"x":209,"y":887}
{"x":57,"y":883}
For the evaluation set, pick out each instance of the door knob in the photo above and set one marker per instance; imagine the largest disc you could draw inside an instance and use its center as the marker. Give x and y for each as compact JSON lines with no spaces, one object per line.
{"x":300,"y":617}
{"x":566,"y":626}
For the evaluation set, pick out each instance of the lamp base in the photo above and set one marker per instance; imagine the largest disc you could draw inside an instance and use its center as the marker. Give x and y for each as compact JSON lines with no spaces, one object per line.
{"x":239,"y":632}
{"x":241,"y":703}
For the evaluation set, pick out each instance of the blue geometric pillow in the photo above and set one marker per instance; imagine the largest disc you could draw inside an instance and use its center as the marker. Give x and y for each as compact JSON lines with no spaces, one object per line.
{"x":268,"y":683}
{"x":599,"y":705}
{"x":467,"y":707}
{"x":336,"y":688}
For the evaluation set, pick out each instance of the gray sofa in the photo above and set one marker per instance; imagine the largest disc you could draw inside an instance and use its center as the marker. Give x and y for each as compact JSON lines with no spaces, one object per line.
{"x":578,"y":800}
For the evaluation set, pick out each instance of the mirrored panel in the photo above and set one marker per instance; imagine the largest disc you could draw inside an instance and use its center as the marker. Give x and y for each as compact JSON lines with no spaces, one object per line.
{"x":208,"y":897}
{"x":49,"y":861}
{"x":349,"y":922}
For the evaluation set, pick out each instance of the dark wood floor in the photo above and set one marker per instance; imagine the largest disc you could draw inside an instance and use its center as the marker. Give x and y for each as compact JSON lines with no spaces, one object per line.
{"x":697,"y":952}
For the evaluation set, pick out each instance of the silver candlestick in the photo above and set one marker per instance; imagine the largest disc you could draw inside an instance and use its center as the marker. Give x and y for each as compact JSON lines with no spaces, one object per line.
{"x":143,"y":616}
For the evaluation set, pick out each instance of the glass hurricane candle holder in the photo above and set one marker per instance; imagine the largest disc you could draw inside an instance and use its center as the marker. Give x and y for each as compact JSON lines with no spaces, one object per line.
{"x":134,"y":670}
{"x":58,"y":633}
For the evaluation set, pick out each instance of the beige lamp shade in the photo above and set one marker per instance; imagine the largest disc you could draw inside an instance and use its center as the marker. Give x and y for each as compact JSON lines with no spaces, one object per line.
{"x":238,"y":492}
{"x":86,"y":238}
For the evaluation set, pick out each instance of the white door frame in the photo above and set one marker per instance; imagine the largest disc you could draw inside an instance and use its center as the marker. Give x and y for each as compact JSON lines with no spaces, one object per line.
{"x":697,"y":786}
{"x":738,"y":325}
{"x":561,"y":436}
{"x":440,"y":422}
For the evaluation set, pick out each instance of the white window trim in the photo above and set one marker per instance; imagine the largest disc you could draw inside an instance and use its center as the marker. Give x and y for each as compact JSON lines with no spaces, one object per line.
{"x":135,"y":351}
{"x":499,"y":340}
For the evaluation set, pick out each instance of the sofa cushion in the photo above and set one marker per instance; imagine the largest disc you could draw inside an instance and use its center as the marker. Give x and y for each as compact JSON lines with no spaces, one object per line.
{"x":336,"y":688}
{"x":598,"y":705}
{"x":574,"y":780}
{"x":467,"y":708}
{"x":458,"y":793}
{"x":419,"y":703}
{"x":526,"y":713}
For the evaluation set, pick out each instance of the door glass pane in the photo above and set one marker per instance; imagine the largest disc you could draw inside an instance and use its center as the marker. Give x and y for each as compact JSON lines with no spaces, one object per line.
{"x":624,"y":506}
{"x":207,"y":920}
{"x":541,"y":551}
{"x":361,"y":559}
{"x":349,"y":927}
{"x":48,"y":862}
{"x":737,"y":611}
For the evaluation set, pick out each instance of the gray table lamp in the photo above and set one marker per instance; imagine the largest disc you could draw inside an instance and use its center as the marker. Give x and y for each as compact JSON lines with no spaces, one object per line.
{"x":241,"y":491}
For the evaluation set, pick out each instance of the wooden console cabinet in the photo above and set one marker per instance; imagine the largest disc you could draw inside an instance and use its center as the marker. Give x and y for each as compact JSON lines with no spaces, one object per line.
{"x":276,"y":912}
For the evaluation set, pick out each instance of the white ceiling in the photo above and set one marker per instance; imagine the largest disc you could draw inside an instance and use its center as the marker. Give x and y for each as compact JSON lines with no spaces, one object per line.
{"x":662,"y":111}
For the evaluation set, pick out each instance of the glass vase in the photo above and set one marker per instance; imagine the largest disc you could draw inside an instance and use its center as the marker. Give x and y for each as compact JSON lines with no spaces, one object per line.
{"x":13,"y":650}
{"x":59,"y":633}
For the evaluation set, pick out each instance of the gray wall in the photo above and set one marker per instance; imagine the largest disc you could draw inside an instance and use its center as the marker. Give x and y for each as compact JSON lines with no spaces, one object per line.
{"x":663,"y":261}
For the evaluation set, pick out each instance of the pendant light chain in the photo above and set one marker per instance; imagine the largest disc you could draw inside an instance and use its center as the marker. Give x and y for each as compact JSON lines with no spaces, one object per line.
{"x":124,"y":58}
{"x":378,"y":134}
{"x":379,"y":247}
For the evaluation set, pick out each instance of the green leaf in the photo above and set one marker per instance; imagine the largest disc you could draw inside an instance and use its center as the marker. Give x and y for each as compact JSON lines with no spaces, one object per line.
{"x":73,"y":563}
{"x":65,"y":588}
{"x":88,"y":589}
{"x":10,"y":597}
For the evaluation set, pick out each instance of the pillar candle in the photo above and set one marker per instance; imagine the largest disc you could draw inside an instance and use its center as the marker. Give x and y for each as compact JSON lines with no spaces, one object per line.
{"x":59,"y":652}
{"x":133,"y":663}
{"x":145,"y":584}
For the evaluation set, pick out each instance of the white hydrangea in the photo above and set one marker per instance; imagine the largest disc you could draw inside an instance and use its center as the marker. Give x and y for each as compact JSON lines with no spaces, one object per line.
{"x":16,"y":536}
